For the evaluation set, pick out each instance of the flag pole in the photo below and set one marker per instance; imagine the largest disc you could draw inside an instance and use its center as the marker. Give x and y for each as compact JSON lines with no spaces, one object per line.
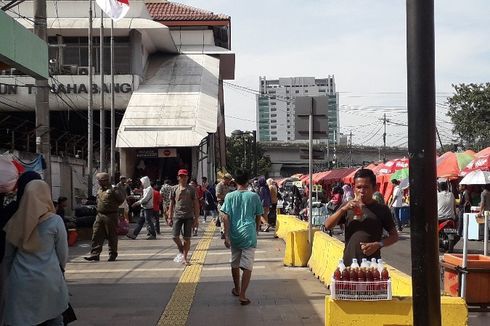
{"x":90,"y":112}
{"x":113,"y":113}
{"x":102,"y":165}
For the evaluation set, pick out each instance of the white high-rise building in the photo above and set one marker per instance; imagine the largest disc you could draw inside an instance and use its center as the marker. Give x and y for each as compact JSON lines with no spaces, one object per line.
{"x":276,"y":108}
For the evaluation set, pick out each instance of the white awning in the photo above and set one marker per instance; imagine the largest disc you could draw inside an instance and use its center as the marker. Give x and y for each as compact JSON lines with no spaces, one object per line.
{"x":176,"y":106}
{"x":156,"y":37}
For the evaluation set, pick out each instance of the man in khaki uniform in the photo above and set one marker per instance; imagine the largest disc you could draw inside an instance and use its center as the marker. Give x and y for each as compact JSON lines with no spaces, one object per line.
{"x":108,"y":201}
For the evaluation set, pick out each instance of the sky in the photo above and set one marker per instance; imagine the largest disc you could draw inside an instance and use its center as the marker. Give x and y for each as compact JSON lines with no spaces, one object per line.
{"x":362,"y":43}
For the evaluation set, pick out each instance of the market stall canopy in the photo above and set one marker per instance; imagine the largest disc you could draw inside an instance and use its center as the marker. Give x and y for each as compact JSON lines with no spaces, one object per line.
{"x":393,"y":166}
{"x":450,"y":164}
{"x":400,"y":174}
{"x":337,"y":175}
{"x":476,"y":177}
{"x":176,"y":105}
{"x":481,"y":161}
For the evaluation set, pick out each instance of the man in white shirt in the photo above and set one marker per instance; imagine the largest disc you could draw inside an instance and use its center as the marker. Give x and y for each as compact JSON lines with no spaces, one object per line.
{"x":397,"y":203}
{"x":446,"y":204}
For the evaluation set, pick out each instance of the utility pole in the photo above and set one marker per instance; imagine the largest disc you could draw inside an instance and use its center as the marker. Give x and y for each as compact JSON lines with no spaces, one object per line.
{"x":384,"y":138}
{"x":102,"y":165}
{"x":43,"y":145}
{"x":113,"y":113}
{"x":422,"y":152}
{"x":90,"y":109}
{"x":254,"y":135}
{"x":350,"y":149}
{"x":440,"y":141}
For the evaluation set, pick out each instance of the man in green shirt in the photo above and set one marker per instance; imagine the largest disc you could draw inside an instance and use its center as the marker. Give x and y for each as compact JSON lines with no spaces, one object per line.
{"x":241,"y":212}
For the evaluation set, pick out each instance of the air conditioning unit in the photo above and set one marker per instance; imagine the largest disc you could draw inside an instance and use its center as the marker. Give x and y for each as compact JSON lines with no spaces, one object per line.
{"x":69,"y":69}
{"x":85,"y":70}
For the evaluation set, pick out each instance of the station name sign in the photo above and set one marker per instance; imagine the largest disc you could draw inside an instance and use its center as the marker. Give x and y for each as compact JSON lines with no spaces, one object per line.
{"x":67,"y":88}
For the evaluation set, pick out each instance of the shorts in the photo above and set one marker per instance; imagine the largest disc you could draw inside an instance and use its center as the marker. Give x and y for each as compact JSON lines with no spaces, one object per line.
{"x":242,"y":258}
{"x":177,"y":227}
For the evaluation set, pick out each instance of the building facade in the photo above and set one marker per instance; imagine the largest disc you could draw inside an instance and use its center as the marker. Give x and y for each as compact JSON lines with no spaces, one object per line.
{"x":170,"y":62}
{"x":276,"y":106}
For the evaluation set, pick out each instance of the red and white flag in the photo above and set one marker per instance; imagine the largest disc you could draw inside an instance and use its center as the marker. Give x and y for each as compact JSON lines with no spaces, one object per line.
{"x":116,"y":9}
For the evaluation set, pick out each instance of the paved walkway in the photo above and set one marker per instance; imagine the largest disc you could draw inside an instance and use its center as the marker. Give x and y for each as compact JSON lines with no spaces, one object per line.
{"x":138,"y":287}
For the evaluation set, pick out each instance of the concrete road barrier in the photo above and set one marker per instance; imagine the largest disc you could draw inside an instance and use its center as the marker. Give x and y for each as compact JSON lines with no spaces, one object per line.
{"x":288,"y":223}
{"x":398,"y":311}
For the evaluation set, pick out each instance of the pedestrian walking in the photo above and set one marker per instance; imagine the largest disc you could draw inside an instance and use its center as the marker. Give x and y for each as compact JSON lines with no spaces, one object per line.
{"x":105,"y":227}
{"x":146,"y":213}
{"x":166,"y":192}
{"x":5,"y":214}
{"x":241,"y":213}
{"x":397,"y":203}
{"x":210,"y":207}
{"x":184,"y":211}
{"x":35,"y":256}
{"x":274,"y":199}
{"x":265,"y":197}
{"x":222,"y":189}
{"x":364,"y":219}
{"x":157,"y":200}
{"x":200,"y":197}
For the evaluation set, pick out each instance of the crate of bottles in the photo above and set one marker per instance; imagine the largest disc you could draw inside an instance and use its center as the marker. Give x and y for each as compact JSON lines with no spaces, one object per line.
{"x":360,"y":290}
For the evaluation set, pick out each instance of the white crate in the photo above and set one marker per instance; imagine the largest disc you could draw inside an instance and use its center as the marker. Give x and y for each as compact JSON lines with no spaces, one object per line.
{"x":360,"y":291}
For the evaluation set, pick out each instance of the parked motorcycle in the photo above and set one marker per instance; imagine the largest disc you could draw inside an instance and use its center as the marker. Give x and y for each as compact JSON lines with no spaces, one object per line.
{"x":448,"y":235}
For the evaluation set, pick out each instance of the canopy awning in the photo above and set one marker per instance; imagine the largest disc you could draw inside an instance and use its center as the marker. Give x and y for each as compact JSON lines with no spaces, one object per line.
{"x":176,"y":106}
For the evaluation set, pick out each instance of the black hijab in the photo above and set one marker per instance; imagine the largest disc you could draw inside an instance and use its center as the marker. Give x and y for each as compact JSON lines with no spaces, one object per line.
{"x":8,"y":211}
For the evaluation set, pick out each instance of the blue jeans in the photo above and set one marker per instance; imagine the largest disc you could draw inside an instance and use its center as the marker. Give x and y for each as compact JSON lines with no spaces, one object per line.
{"x":146,"y":215}
{"x":396,"y":215}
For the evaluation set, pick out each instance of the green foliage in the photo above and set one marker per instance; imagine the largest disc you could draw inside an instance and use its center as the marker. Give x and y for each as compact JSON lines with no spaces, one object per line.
{"x":240,"y":154}
{"x":469,"y":110}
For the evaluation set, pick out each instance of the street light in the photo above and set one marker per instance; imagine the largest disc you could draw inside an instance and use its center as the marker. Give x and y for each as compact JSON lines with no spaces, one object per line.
{"x":246,"y":135}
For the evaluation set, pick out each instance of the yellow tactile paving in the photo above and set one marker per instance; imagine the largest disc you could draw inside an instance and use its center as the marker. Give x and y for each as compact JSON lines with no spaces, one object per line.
{"x":177,"y":310}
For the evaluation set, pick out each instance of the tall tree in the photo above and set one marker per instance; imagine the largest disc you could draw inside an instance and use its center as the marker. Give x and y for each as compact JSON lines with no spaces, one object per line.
{"x":469,"y":110}
{"x":240,"y":154}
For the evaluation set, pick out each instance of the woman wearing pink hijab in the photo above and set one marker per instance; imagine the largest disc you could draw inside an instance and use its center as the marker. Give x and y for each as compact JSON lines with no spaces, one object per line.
{"x":35,"y":254}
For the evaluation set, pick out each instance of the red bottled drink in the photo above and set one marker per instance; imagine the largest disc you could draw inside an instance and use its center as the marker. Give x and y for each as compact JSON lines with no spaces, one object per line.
{"x":362,"y":275}
{"x":376,"y":277}
{"x":385,"y":275}
{"x":337,"y":275}
{"x":353,"y":278}
{"x":369,"y":275}
{"x":346,"y":275}
{"x":384,"y":278}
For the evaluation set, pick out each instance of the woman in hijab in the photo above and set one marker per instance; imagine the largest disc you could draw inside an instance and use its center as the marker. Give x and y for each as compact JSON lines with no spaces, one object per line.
{"x":5,"y":215}
{"x":265,"y":198}
{"x":348,"y":193}
{"x":36,"y":253}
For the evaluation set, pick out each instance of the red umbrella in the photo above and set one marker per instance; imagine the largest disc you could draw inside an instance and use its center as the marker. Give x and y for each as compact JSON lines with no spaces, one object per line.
{"x":450,"y":164}
{"x":480,"y":162}
{"x":393,"y":165}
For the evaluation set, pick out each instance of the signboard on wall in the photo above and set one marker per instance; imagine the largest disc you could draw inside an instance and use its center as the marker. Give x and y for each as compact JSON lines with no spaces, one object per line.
{"x":147,"y":153}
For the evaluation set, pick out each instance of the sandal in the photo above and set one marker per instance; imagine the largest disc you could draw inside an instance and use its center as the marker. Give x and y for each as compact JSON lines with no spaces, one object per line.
{"x":245,"y":302}
{"x":235,"y":292}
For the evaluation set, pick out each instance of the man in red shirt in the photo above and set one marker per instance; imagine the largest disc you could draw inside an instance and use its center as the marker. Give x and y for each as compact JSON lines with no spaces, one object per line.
{"x":157,"y":199}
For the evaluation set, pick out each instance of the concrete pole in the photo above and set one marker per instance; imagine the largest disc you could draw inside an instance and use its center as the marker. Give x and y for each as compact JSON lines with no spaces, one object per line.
{"x":43,"y":145}
{"x":310,"y":176}
{"x":422,"y":152}
{"x":90,"y":109}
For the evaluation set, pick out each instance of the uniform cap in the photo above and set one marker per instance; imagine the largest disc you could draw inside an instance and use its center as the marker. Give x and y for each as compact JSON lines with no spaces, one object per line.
{"x":183,"y":172}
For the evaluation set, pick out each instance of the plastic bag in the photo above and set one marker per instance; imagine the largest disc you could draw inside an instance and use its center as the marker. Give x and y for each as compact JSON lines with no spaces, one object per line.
{"x":122,"y":227}
{"x":8,"y":175}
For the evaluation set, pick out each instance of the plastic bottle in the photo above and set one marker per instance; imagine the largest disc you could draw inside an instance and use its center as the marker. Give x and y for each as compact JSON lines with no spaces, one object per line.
{"x":345,"y":275}
{"x":353,"y":275}
{"x":354,"y":264}
{"x":369,"y":275}
{"x":337,"y":275}
{"x":384,"y":274}
{"x":362,"y":274}
{"x":373,"y":264}
{"x":364,"y":263}
{"x":341,"y":265}
{"x":380,"y":265}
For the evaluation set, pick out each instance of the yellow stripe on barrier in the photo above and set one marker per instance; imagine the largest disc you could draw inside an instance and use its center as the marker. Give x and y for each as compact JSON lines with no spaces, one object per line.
{"x":177,"y":310}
